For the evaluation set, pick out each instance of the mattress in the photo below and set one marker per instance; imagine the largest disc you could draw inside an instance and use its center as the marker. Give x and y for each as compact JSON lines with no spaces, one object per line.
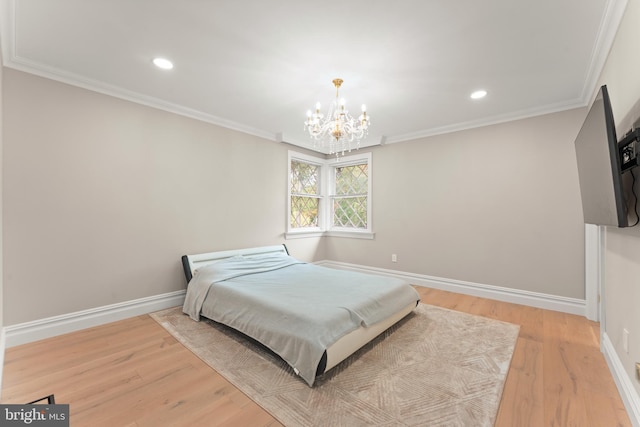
{"x":296,"y":309}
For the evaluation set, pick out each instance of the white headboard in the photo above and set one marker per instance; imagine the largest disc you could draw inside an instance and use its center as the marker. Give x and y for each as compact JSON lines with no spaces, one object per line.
{"x":191,"y":262}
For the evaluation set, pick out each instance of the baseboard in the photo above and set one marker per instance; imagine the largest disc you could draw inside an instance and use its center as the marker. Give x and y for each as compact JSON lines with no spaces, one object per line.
{"x":516,"y":296}
{"x":45,"y":328}
{"x":628,"y":393}
{"x":23,"y":333}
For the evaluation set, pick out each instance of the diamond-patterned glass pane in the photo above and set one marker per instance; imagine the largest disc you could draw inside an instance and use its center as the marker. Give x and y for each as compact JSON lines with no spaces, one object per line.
{"x":304,"y":211}
{"x":304,"y":178}
{"x":350,"y":212}
{"x":352,"y":179}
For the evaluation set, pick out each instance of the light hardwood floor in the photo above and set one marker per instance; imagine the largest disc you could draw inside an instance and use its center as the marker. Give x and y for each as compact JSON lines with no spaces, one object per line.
{"x":133,"y":373}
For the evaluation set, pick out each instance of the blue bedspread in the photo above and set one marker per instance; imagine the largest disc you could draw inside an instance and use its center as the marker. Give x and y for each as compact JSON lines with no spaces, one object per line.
{"x":294,"y":308}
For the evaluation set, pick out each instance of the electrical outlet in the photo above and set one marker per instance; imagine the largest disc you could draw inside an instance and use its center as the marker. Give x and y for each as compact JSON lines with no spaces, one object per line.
{"x":625,"y":340}
{"x":394,"y":258}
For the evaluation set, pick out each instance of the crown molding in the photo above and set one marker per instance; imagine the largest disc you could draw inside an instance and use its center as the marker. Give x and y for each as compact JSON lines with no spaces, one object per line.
{"x":27,"y":66}
{"x":608,"y":28}
{"x":473,"y":124}
{"x":604,"y":41}
{"x":370,"y":141}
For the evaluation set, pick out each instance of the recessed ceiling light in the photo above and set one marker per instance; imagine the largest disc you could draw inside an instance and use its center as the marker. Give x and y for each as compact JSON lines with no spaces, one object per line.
{"x":479,"y":94}
{"x":163,"y":63}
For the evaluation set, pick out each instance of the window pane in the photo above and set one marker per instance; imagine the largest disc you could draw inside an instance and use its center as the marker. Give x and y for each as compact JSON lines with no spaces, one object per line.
{"x":304,"y":211}
{"x":350,"y":212}
{"x":304,"y":178}
{"x":352,"y":179}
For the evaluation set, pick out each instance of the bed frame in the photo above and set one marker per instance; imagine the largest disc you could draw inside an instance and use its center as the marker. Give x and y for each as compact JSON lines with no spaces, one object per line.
{"x":334,"y":354}
{"x":191,"y":262}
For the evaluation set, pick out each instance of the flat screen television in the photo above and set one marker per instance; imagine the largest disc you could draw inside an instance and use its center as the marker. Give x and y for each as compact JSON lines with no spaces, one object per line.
{"x":599,"y":166}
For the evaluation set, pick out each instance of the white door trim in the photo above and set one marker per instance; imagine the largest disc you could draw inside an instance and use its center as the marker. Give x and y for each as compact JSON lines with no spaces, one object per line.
{"x":593,"y":269}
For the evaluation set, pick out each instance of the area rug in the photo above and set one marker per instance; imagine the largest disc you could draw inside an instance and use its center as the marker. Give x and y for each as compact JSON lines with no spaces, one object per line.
{"x":435,"y":367}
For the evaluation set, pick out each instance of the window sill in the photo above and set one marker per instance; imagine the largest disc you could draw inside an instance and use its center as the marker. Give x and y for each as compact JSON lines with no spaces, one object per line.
{"x":331,"y":233}
{"x":369,"y":235}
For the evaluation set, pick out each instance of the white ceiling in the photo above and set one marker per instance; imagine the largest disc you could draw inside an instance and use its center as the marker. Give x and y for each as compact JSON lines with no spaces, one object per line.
{"x":258,"y":66}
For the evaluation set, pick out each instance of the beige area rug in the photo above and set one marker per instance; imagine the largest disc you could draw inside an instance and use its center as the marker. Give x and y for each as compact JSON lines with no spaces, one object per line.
{"x":436,"y":367}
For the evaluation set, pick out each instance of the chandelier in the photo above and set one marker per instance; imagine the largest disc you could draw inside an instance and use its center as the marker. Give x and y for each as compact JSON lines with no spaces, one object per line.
{"x":339,"y":129}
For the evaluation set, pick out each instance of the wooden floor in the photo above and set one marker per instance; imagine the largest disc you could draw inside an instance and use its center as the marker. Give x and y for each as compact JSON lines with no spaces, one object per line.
{"x":133,"y":373}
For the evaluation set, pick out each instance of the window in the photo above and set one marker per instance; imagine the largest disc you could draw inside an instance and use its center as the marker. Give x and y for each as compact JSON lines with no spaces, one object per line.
{"x":329,"y":197}
{"x":351,"y":186}
{"x":304,"y":193}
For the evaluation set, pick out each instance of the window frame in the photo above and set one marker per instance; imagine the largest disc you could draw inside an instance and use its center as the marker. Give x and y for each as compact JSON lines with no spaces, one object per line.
{"x":357,"y":159}
{"x":327,"y":183}
{"x":306,"y":231}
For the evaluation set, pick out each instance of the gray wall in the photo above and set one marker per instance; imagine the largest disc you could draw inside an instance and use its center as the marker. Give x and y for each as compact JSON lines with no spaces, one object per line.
{"x":497,"y":205}
{"x":102,"y":196}
{"x":622,"y":253}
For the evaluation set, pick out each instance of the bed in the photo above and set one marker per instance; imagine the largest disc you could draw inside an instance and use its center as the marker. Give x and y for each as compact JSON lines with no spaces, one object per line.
{"x":313,"y":317}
